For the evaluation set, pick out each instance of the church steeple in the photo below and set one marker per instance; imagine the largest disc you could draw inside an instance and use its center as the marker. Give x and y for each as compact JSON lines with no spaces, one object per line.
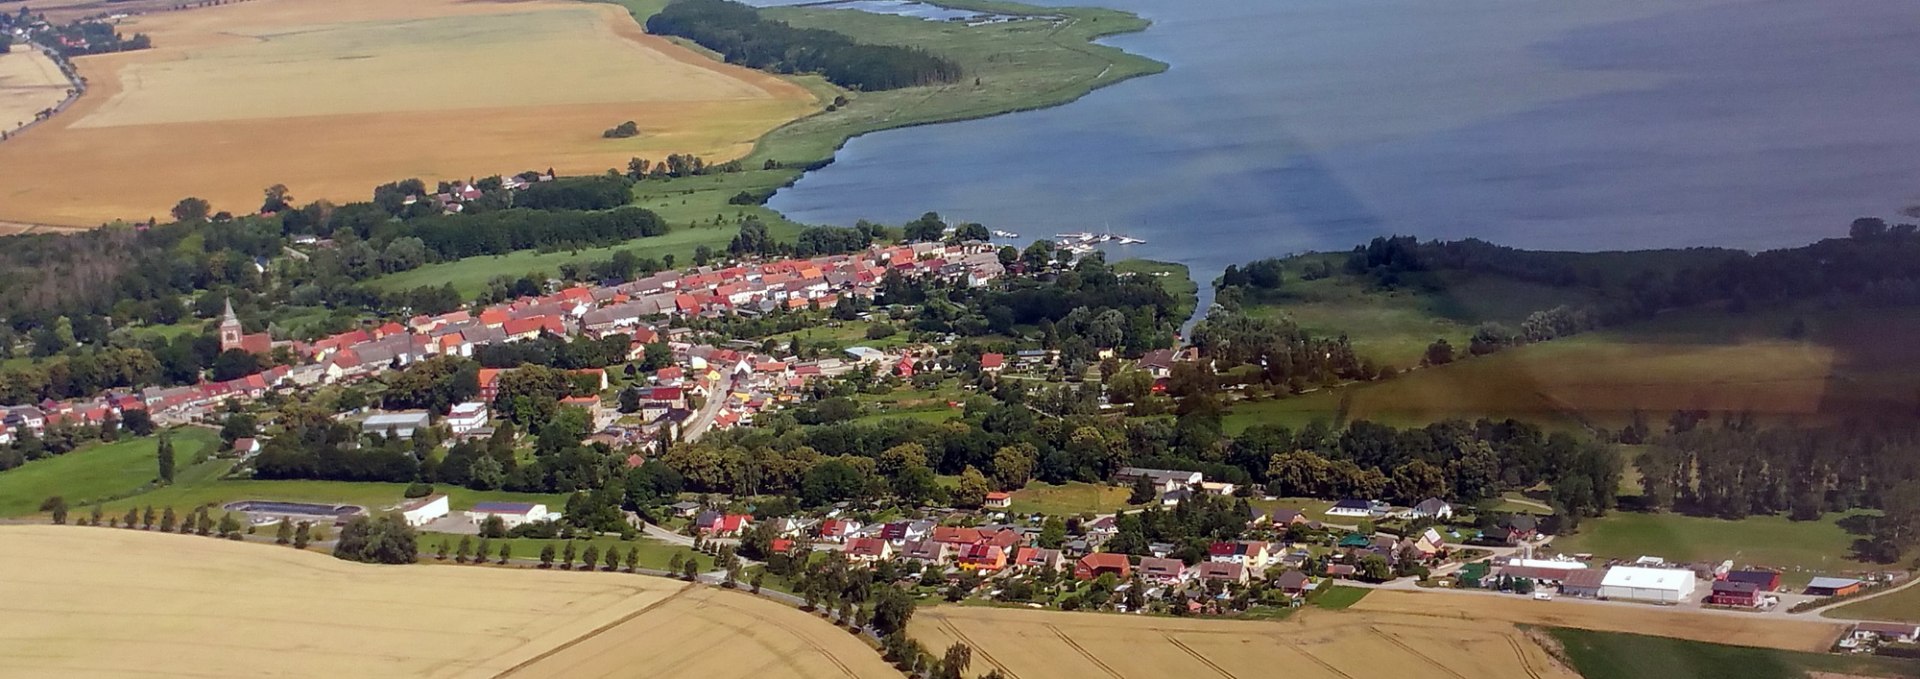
{"x":230,"y":330}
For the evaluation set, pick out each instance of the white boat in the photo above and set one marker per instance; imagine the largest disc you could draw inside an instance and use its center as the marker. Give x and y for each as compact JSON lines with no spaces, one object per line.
{"x":1129,"y":240}
{"x":1005,"y":234}
{"x":1077,"y":235}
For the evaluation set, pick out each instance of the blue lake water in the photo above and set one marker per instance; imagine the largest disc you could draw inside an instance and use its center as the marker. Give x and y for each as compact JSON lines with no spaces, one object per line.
{"x":1289,"y":125}
{"x":908,"y":8}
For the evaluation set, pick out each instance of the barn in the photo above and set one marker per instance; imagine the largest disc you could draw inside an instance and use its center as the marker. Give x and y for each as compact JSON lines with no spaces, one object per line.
{"x":1658,"y":585}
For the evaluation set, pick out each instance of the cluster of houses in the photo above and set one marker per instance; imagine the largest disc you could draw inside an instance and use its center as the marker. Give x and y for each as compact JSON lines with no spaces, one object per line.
{"x":749,"y":382}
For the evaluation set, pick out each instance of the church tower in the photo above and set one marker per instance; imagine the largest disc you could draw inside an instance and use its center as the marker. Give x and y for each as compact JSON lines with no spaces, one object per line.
{"x":230,"y":329}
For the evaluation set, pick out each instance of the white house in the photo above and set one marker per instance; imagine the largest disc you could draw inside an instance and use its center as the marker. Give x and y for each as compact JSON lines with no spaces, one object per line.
{"x":1162,"y":479}
{"x":421,"y":511}
{"x":512,"y":513}
{"x":1358,"y":508}
{"x":1432,"y":508}
{"x":1659,"y":585}
{"x":467,"y":417}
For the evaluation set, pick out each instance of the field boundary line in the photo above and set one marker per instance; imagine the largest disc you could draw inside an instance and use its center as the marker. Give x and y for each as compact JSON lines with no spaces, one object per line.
{"x":1416,"y":652}
{"x":797,"y":634}
{"x":1317,"y":660}
{"x":597,"y":631}
{"x":1204,"y":660}
{"x":1526,"y":663}
{"x":977,"y":648}
{"x":1083,"y":652}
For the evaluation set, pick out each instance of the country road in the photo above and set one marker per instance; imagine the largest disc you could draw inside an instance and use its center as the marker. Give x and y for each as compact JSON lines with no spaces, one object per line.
{"x":703,"y":420}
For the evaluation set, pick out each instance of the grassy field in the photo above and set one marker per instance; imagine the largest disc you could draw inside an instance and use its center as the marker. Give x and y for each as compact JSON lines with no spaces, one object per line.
{"x":393,"y":90}
{"x":1310,"y":644}
{"x":1800,"y":549}
{"x":1018,"y":65}
{"x":1338,"y":598}
{"x":1611,"y":655}
{"x":99,"y":471}
{"x":1070,"y":499}
{"x":1901,"y":606}
{"x":1714,"y":361}
{"x":253,"y":610}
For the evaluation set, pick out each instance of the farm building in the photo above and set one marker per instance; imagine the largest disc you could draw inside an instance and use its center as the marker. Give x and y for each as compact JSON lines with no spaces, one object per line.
{"x":1583,"y":583}
{"x":1731,"y":593}
{"x":1358,"y":508}
{"x":999,"y":500}
{"x":1767,"y":581}
{"x":1162,"y":479}
{"x":511,"y":513}
{"x":421,"y":511}
{"x":466,"y":417}
{"x":1904,"y":633}
{"x":1635,"y":583}
{"x":400,"y":424}
{"x":1834,"y":586}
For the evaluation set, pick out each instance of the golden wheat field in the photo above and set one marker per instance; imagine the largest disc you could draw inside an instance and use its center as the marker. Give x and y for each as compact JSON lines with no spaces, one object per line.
{"x":332,"y":98}
{"x":104,"y":602}
{"x":1310,"y":645}
{"x":29,"y":83}
{"x":1737,"y":629}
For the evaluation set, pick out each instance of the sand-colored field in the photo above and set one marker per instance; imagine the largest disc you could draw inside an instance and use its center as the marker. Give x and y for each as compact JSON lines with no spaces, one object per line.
{"x":100,"y":602}
{"x":332,"y":98}
{"x":29,"y":83}
{"x":1310,"y":645}
{"x":1765,"y":631}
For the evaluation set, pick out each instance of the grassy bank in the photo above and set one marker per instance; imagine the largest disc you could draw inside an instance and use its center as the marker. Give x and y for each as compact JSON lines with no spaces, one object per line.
{"x":99,"y":471}
{"x":1010,"y":66}
{"x":1901,"y":606}
{"x":1612,"y":655}
{"x":1175,"y":278}
{"x":1070,"y":499}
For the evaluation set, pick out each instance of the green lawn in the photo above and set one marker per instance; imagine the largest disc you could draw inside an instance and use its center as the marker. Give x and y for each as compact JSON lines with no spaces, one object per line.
{"x":99,"y":471}
{"x":1800,"y":549}
{"x":1070,"y":499}
{"x":1613,"y":655}
{"x":1011,"y":66}
{"x":1339,"y":597}
{"x":1901,"y":606}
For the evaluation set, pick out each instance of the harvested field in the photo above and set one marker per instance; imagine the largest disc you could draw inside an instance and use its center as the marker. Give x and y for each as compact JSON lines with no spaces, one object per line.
{"x":333,"y":98}
{"x":29,"y":83}
{"x":1312,"y":645}
{"x":113,"y":602}
{"x":1738,"y":629}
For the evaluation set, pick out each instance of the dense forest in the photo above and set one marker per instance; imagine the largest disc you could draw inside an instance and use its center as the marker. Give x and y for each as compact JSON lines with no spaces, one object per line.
{"x":740,"y":34}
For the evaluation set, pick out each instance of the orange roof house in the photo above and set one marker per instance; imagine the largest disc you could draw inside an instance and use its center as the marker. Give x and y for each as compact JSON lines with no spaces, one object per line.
{"x":1101,"y":563}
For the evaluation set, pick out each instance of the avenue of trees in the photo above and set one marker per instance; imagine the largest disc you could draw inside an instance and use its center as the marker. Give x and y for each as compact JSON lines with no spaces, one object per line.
{"x":740,"y":34}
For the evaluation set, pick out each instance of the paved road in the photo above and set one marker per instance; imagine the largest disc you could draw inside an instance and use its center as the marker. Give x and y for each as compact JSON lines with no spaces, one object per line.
{"x":716,"y":398}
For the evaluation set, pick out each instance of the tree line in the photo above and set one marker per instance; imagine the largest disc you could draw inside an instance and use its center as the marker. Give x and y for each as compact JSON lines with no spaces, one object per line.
{"x":742,"y":36}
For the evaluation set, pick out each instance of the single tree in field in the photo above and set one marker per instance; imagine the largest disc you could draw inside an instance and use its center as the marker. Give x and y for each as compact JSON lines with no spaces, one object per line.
{"x":319,"y":532}
{"x":733,"y":575}
{"x":506,"y":552}
{"x":98,"y":514}
{"x":283,"y":534}
{"x":191,"y":210}
{"x":566,"y":556}
{"x":758,"y":577}
{"x":1142,"y":492}
{"x":229,"y":527}
{"x":165,"y":455}
{"x":959,"y":656}
{"x":302,"y":534}
{"x":466,"y":549}
{"x":168,"y":521}
{"x":132,"y":519}
{"x":673,"y":564}
{"x":482,"y":550}
{"x":57,"y":506}
{"x":546,"y":556}
{"x":633,"y":559}
{"x":611,"y":559}
{"x":691,"y":569}
{"x":590,"y":559}
{"x":441,"y":553}
{"x":146,"y":518}
{"x":205,"y":523}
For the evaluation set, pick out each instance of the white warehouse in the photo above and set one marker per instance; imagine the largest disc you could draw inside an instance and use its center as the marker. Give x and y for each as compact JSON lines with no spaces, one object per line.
{"x":1659,"y":585}
{"x":422,"y":511}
